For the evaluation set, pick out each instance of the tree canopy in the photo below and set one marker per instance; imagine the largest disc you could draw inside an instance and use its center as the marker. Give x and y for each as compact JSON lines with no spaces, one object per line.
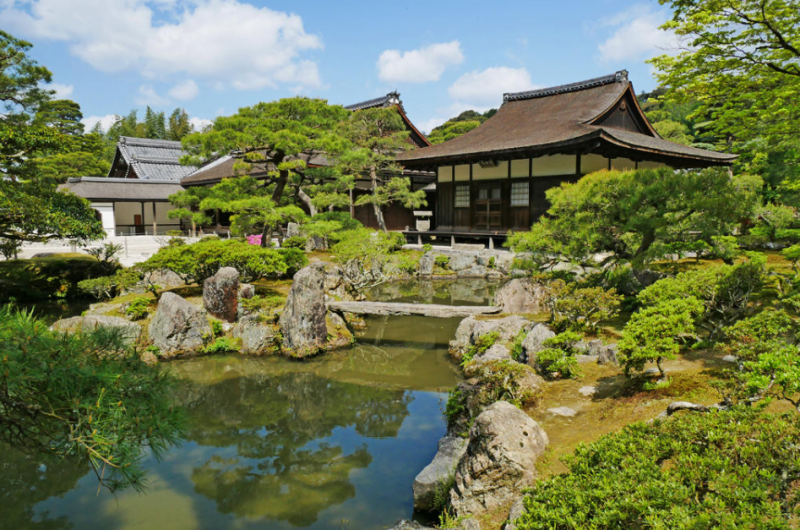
{"x":639,"y":215}
{"x":32,"y":125}
{"x":738,"y":67}
{"x":463,"y":123}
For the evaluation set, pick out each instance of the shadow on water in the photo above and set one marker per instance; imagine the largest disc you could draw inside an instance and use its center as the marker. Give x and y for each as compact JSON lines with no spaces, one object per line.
{"x":331,"y":443}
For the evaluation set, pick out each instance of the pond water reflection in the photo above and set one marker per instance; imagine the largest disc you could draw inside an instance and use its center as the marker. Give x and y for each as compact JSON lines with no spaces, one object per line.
{"x":271,"y":443}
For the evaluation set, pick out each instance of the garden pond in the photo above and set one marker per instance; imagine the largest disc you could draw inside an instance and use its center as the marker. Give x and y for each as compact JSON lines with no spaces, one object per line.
{"x":330,"y":443}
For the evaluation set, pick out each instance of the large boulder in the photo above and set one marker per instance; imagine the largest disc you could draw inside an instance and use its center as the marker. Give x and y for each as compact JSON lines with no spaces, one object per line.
{"x":517,"y":510}
{"x":258,"y":338}
{"x":221,"y":294}
{"x":521,"y":295}
{"x":405,"y":524}
{"x":504,"y":444}
{"x":302,"y":322}
{"x":129,"y":331}
{"x":178,"y":327}
{"x":534,"y":342}
{"x":471,"y":328}
{"x":293,"y":230}
{"x":164,"y":278}
{"x":438,"y":473}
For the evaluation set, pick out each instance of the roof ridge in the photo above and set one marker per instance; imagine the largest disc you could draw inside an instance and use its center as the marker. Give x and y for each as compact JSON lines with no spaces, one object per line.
{"x":391,"y":97}
{"x":132,"y":140}
{"x":620,"y":76}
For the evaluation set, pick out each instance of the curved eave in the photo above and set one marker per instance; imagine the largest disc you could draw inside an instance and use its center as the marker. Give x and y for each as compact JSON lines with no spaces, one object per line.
{"x":412,"y":126}
{"x":598,"y":140}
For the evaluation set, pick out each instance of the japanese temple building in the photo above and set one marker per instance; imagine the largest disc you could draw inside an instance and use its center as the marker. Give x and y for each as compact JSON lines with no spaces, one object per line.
{"x":493,"y":179}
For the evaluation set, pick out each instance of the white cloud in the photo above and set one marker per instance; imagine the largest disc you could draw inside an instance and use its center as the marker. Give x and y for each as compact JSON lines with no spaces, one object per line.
{"x":105,"y":121}
{"x":149,"y":96}
{"x":486,"y":88}
{"x":199,"y":123}
{"x":185,"y":90}
{"x":637,"y":35}
{"x":419,"y":66}
{"x":226,"y":41}
{"x":62,"y":91}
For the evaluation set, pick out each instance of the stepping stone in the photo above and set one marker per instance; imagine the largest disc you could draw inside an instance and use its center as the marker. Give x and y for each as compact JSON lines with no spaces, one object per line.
{"x":564,"y":412}
{"x":588,"y":391}
{"x":730,"y":359}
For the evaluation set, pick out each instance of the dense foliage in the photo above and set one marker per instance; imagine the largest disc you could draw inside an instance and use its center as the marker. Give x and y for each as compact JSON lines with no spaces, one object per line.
{"x":632,"y":215}
{"x":580,"y":308}
{"x":203,"y":259}
{"x":32,"y":208}
{"x":463,"y":123}
{"x":737,"y":469}
{"x":84,"y":395}
{"x":57,"y":276}
{"x":737,"y":68}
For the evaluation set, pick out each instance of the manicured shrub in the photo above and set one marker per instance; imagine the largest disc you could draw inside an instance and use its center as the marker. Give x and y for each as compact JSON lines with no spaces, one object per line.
{"x":442,"y":262}
{"x":294,"y":242}
{"x":201,"y":260}
{"x":137,"y":308}
{"x":768,"y":359}
{"x":654,"y":333}
{"x":573,"y":307}
{"x":724,"y":291}
{"x":56,"y":276}
{"x":716,"y":470}
{"x":558,"y":359}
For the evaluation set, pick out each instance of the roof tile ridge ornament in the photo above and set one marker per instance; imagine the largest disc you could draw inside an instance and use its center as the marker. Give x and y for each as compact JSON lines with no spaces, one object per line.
{"x":620,"y":76}
{"x":392,"y":98}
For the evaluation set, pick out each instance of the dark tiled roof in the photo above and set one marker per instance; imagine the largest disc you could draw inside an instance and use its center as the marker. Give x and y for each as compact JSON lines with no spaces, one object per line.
{"x":222,"y":167}
{"x":392,"y":98}
{"x":559,"y":119}
{"x":616,"y":77}
{"x":153,"y":159}
{"x":112,"y":189}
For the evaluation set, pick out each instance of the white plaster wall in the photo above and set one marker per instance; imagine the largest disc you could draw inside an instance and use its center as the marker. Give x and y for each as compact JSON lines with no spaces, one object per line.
{"x":496,"y":172}
{"x":446,"y":174}
{"x":552,"y":165}
{"x":106,"y":210}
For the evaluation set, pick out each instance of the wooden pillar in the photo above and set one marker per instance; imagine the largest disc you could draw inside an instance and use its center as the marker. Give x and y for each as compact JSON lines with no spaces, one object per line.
{"x":143,"y":224}
{"x":155,"y":224}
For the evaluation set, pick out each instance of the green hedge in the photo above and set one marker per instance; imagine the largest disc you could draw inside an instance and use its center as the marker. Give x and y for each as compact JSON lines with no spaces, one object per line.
{"x":55,"y":276}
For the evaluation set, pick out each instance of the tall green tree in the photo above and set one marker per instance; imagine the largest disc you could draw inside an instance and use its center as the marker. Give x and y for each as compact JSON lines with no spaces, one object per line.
{"x":379,"y":135}
{"x":31,"y":208}
{"x":252,"y":208}
{"x":277,"y":139}
{"x":155,"y":125}
{"x":178,"y":125}
{"x":740,"y":63}
{"x":62,"y":114}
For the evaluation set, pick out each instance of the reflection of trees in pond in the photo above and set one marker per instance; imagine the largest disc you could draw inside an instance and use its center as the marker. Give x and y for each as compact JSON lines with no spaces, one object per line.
{"x":283,"y":469}
{"x":457,"y":292}
{"x":27,"y":479}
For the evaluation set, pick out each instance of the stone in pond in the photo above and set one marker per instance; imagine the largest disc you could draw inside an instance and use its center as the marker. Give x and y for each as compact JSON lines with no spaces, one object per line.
{"x":443,"y":466}
{"x":221,"y":294}
{"x":178,"y":326}
{"x":504,"y":445}
{"x":588,"y":391}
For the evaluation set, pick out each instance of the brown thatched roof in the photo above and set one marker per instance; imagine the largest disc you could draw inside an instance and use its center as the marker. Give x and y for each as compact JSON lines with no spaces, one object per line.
{"x":121,"y":190}
{"x":568,"y":118}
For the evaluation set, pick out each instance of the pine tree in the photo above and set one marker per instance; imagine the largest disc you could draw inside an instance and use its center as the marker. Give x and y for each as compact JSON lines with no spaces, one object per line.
{"x":179,"y":125}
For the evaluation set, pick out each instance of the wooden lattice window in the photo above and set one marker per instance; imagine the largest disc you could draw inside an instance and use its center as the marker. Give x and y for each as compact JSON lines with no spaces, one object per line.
{"x":519,"y":193}
{"x":462,"y":196}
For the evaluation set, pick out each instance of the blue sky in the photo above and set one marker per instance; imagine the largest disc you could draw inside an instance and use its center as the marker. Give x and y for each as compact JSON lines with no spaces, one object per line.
{"x":213,"y":56}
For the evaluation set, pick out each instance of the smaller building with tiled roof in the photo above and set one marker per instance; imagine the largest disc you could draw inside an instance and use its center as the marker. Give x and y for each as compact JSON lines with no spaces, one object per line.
{"x":146,"y":159}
